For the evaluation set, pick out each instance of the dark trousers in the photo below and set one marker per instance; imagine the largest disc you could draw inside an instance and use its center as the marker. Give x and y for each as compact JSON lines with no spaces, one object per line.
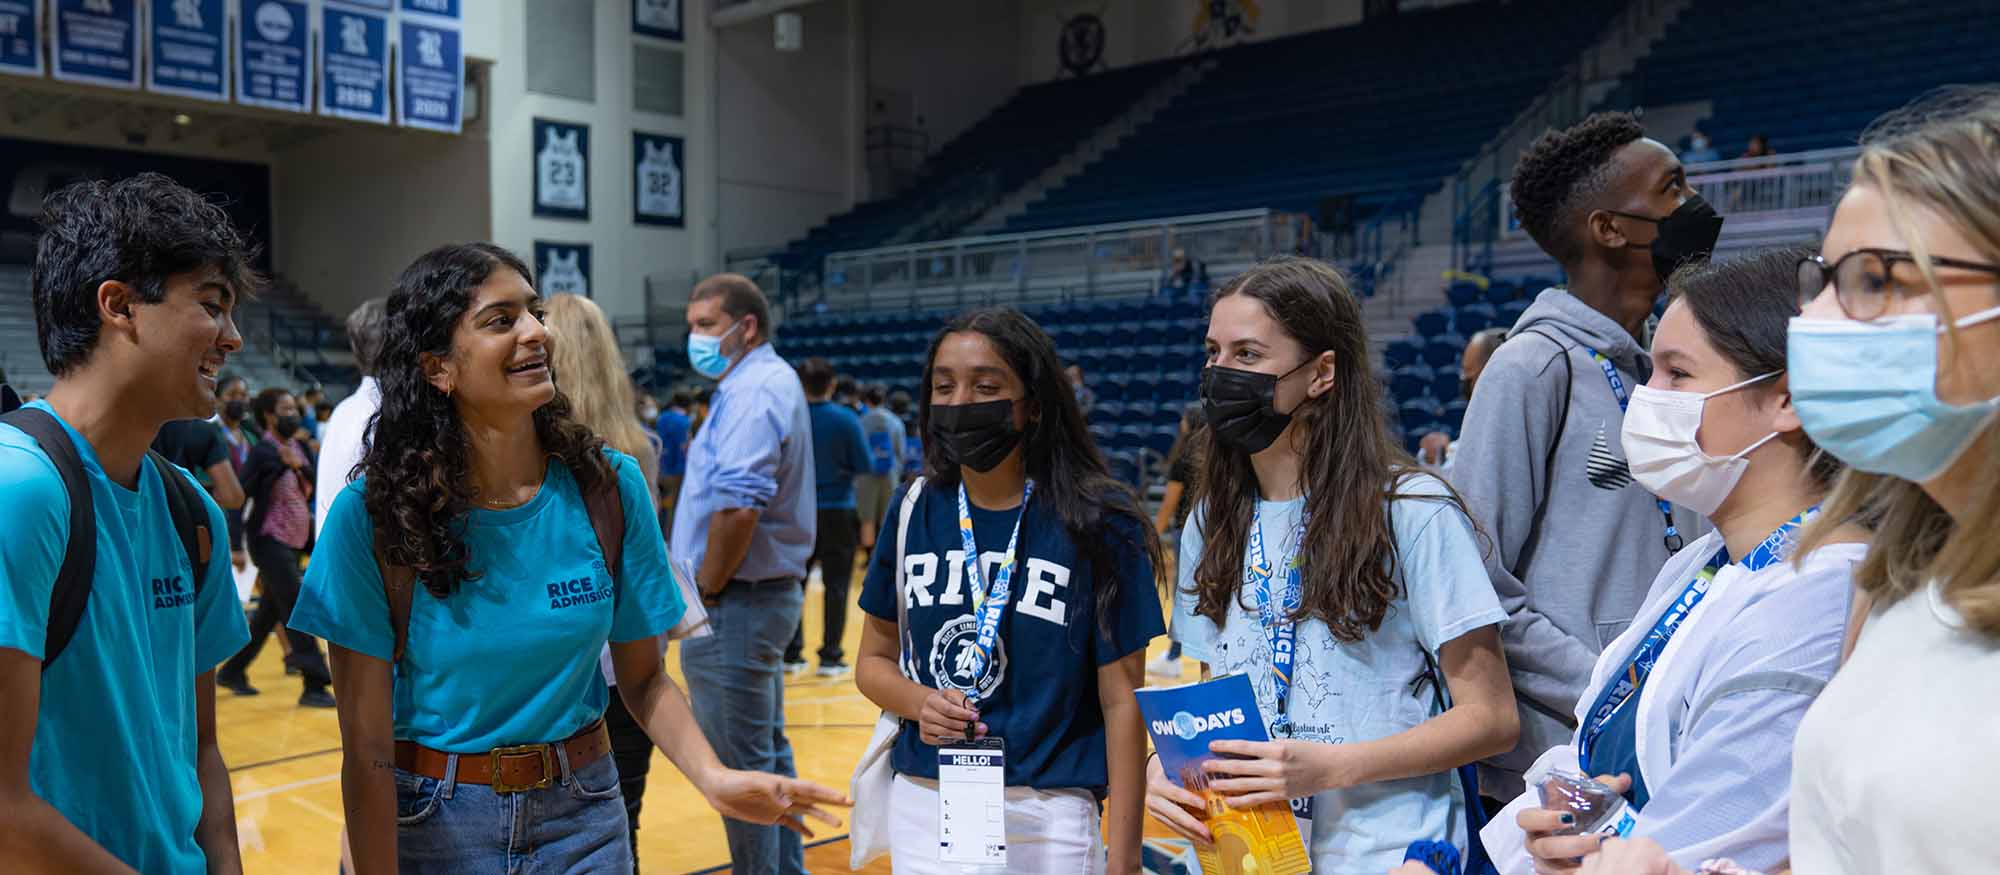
{"x":838,"y":540}
{"x":632,"y":750}
{"x":278,"y":568}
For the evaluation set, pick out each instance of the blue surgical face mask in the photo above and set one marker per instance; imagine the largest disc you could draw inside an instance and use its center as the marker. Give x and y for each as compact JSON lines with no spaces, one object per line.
{"x":705,"y":352}
{"x":1866,"y":392}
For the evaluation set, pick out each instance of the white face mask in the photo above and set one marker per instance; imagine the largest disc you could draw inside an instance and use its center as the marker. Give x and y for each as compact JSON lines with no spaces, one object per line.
{"x":1665,"y":457}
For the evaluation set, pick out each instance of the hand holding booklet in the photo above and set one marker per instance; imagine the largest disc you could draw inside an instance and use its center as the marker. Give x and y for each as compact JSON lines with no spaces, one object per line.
{"x":1183,"y":720}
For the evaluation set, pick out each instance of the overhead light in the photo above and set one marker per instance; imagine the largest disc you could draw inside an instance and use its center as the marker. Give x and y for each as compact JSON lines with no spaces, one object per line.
{"x":181,"y":118}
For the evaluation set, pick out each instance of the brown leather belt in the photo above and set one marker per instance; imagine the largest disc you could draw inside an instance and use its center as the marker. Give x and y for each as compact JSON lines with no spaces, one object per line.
{"x":514,"y":769}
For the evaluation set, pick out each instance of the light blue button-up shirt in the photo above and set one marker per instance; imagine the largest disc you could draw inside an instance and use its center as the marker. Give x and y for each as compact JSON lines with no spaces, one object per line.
{"x":754,"y":450}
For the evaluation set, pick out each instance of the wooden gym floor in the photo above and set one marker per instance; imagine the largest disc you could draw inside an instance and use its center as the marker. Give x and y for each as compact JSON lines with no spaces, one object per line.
{"x":284,"y":762}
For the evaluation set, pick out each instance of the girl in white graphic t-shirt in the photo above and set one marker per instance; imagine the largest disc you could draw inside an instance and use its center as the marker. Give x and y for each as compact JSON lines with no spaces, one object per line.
{"x":1322,"y":563}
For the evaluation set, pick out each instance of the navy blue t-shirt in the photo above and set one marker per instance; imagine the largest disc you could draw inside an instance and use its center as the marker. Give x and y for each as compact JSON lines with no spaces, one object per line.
{"x":1040,"y":695}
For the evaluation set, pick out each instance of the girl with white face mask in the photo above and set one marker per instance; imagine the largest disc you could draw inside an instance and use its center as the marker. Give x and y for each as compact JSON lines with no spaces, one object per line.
{"x":1690,"y":713}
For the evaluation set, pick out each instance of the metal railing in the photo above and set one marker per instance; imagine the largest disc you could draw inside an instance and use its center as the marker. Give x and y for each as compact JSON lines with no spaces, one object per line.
{"x":1058,"y":265}
{"x":1809,"y":181}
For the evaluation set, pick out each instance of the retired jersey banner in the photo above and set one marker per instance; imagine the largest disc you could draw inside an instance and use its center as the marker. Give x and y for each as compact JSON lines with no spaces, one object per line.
{"x":21,"y":37}
{"x":188,"y":51}
{"x":354,"y":64}
{"x":272,"y":68}
{"x":562,"y":268}
{"x":440,"y":8}
{"x":658,"y":197}
{"x":660,"y":18}
{"x":431,"y":69}
{"x":562,"y":169}
{"x":97,"y":41}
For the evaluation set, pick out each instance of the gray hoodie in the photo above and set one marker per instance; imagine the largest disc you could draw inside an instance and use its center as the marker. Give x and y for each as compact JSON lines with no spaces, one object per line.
{"x":1576,"y":544}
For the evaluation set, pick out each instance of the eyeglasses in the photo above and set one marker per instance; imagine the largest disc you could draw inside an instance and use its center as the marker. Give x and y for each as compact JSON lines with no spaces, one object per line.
{"x":1864,"y":279}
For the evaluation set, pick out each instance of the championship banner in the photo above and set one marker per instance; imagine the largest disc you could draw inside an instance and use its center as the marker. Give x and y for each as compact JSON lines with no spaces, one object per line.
{"x":562,"y":170}
{"x":431,"y":69}
{"x":658,"y":197}
{"x":354,"y":65}
{"x":97,"y":41}
{"x":21,"y":37}
{"x":188,"y":52}
{"x":272,"y":69}
{"x":658,"y":18}
{"x":440,"y":8}
{"x":562,"y":269}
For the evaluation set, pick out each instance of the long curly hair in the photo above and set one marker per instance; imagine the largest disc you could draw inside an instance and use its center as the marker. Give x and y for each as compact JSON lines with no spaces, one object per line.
{"x":1350,"y":467}
{"x":1070,"y":473}
{"x":416,"y":457}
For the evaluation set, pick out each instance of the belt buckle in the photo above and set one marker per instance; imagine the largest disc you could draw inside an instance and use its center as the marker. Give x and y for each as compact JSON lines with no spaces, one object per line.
{"x":548,"y":767}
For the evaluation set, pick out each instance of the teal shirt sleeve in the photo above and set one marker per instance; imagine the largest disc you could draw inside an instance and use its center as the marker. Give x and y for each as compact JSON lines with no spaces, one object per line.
{"x":651,"y":600}
{"x":35,"y":519}
{"x":219,"y":629}
{"x":341,"y":600}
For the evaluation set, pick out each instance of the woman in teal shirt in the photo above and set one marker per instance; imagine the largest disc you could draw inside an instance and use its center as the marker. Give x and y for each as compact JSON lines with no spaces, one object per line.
{"x":488,"y":746}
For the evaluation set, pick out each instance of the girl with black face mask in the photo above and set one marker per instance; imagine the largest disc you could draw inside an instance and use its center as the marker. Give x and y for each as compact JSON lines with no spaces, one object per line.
{"x":1064,"y":581}
{"x":1348,"y":585}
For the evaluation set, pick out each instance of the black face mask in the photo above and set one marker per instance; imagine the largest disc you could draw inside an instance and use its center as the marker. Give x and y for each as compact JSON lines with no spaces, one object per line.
{"x":1686,"y":234}
{"x":286,"y":426}
{"x":1240,"y":406}
{"x":235,"y":409}
{"x":978,"y":436}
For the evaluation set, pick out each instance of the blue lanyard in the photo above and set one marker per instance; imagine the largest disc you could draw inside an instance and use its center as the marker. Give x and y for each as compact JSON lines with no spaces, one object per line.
{"x":1674,"y":541}
{"x":1259,"y":574}
{"x":1774,"y":548}
{"x":988,"y":605}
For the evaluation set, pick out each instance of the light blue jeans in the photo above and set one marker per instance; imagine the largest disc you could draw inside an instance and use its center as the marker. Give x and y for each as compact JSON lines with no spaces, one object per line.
{"x":736,"y":681}
{"x":573,"y":827}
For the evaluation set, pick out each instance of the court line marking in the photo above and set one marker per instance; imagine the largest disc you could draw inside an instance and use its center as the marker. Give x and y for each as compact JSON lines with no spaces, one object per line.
{"x":283,"y":759}
{"x":283,"y":788}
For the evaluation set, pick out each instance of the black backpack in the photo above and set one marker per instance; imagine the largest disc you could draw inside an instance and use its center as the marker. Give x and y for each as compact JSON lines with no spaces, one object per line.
{"x":79,"y":567}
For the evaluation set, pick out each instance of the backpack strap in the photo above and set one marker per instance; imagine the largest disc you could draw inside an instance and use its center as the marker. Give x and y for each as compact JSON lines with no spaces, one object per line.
{"x":190,"y":517}
{"x":71,"y":593}
{"x":1562,"y":421}
{"x":399,"y":587}
{"x":606,"y":507}
{"x":908,"y":654}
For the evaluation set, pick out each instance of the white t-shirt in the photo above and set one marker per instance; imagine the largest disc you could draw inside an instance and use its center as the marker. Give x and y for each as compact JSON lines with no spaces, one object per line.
{"x":1344,"y":692}
{"x":1896,"y":764}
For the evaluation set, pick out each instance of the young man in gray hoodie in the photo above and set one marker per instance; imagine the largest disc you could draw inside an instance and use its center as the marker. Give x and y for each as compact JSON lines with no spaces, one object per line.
{"x":1575,"y":543}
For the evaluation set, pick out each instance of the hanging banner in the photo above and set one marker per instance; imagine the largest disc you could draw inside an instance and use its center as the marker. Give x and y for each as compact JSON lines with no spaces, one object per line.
{"x":562,"y":170}
{"x":431,"y":68}
{"x":383,"y":5}
{"x":660,"y":18}
{"x":21,"y":37}
{"x":354,"y":65}
{"x":657,"y":195}
{"x":440,"y":8}
{"x":272,"y":39}
{"x":187,"y":55}
{"x":97,"y":41}
{"x":562,"y":268}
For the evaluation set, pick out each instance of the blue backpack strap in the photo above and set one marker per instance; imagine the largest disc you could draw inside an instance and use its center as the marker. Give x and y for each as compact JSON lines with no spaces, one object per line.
{"x":1475,"y":861}
{"x":72,"y":587}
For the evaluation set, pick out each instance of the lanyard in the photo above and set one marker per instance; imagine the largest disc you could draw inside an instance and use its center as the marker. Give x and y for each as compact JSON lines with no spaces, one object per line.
{"x":988,"y":605}
{"x":1674,"y":541}
{"x":1259,"y":574}
{"x":1770,"y":552}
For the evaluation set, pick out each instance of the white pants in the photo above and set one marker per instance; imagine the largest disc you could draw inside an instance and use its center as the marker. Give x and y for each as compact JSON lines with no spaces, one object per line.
{"x":1047,"y":831}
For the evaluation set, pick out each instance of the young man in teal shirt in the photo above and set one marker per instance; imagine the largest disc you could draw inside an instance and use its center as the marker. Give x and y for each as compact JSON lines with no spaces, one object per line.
{"x":108,"y":758}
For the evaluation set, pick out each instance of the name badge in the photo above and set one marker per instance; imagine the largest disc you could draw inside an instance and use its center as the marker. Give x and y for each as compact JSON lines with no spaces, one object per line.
{"x":972,"y":803}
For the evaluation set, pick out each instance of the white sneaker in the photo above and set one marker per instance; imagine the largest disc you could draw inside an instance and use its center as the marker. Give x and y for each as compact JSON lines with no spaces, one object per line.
{"x":834,"y":670}
{"x":794,"y":669}
{"x":1164,"y":667}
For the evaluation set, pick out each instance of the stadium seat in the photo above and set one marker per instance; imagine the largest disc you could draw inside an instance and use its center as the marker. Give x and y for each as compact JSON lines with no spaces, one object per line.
{"x":1446,"y":349}
{"x":1444,"y":387}
{"x":1412,"y":381}
{"x":1432,"y":324}
{"x":1463,"y":292}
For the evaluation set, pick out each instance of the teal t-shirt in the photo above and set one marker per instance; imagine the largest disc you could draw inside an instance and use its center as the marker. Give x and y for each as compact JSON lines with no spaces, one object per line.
{"x":115,"y":737}
{"x":511,"y":656}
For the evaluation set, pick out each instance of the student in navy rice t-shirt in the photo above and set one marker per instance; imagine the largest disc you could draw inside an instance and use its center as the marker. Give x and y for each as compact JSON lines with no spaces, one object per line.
{"x":1041,"y":694}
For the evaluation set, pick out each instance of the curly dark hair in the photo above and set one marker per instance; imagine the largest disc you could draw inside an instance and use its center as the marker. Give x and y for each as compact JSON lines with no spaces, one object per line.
{"x":416,"y":458}
{"x":141,"y":231}
{"x":1070,"y":473}
{"x":1349,"y":466}
{"x":1563,"y":170}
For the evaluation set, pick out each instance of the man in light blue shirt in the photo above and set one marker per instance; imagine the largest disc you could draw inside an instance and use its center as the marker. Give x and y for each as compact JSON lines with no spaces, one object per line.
{"x":108,"y":757}
{"x":743,"y":529}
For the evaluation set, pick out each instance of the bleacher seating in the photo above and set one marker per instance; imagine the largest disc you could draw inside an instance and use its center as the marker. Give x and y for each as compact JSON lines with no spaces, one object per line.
{"x":1368,"y":111}
{"x":1822,"y":74}
{"x":1003,"y":151}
